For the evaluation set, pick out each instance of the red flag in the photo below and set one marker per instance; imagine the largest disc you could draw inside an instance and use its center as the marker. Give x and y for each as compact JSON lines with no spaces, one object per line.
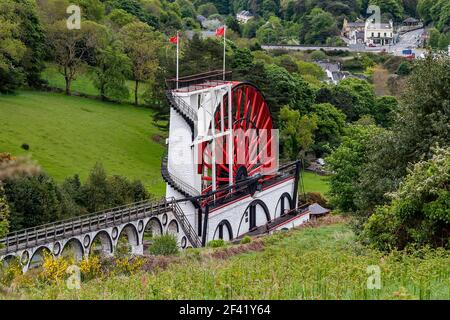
{"x":220,"y":32}
{"x":174,"y":39}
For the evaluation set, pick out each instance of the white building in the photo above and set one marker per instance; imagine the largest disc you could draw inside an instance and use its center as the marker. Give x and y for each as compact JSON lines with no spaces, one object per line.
{"x":379,"y":33}
{"x":244,"y":16}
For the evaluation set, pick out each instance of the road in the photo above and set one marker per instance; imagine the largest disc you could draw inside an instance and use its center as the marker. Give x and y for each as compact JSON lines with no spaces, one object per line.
{"x":409,"y":40}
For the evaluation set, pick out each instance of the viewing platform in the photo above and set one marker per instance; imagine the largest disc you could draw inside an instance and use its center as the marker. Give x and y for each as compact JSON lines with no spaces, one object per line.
{"x":199,"y":81}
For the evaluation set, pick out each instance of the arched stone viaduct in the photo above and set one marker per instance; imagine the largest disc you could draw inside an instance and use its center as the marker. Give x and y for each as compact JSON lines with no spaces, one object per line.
{"x":100,"y":232}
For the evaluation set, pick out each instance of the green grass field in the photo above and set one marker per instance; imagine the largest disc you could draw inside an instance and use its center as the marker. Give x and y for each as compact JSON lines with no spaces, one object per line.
{"x":68,"y":135}
{"x":315,"y":183}
{"x":84,"y":83}
{"x":313,"y":263}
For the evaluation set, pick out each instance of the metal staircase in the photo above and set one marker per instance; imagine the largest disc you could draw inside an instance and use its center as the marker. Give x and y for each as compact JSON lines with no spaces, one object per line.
{"x":186,"y":226}
{"x":180,"y":106}
{"x":175,"y":182}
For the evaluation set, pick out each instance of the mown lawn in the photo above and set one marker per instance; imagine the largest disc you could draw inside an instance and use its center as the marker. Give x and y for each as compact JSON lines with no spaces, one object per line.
{"x":312,"y":263}
{"x":68,"y":135}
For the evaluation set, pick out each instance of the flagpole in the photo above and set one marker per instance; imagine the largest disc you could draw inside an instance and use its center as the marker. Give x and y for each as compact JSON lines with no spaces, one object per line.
{"x":224,"y":49}
{"x":178,"y":52}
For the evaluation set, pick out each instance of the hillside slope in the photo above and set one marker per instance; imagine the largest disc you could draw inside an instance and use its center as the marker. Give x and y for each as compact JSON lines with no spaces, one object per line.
{"x":312,"y":263}
{"x":68,"y":135}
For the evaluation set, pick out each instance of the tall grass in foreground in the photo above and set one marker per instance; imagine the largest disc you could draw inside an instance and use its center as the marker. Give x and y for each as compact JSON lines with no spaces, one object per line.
{"x":322,"y":263}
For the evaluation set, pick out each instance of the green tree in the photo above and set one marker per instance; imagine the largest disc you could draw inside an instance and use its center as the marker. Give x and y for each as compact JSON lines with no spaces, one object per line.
{"x":419,"y":123}
{"x":271,"y":32}
{"x":433,"y":40}
{"x":4,"y":213}
{"x":141,"y":44}
{"x":121,"y":18}
{"x":330,"y":127}
{"x":318,"y":26}
{"x":73,"y":48}
{"x":296,"y":133}
{"x":110,"y":72}
{"x":93,"y":10}
{"x":346,"y":163}
{"x":282,"y":88}
{"x":393,"y":7}
{"x":419,"y":212}
{"x":207,"y":9}
{"x":383,"y":110}
{"x":12,"y":49}
{"x":32,"y":200}
{"x":96,"y":190}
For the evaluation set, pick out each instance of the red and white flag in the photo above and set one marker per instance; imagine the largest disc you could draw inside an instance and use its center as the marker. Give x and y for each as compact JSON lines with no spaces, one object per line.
{"x":220,"y":31}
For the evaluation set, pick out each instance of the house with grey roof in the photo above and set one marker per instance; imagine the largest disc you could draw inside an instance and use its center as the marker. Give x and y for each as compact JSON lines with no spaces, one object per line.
{"x":244,"y":16}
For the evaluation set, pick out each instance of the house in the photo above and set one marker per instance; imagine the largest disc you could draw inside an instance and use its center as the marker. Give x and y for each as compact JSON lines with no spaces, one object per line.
{"x":201,"y":19}
{"x":211,"y":24}
{"x":379,"y":33}
{"x":333,"y":71}
{"x":244,"y":16}
{"x":411,"y":22}
{"x":353,"y":31}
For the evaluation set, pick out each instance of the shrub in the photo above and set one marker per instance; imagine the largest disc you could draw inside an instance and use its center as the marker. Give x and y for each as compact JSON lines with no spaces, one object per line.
{"x":318,"y":55}
{"x":164,"y":245}
{"x":317,"y":197}
{"x":54,"y":269}
{"x":404,"y":68}
{"x":91,"y":268}
{"x":216,"y":243}
{"x":128,"y":266}
{"x":246,"y":239}
{"x":9,"y":272}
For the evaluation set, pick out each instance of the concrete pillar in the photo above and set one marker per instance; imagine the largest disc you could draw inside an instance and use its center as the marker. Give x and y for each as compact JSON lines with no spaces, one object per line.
{"x":137,"y":250}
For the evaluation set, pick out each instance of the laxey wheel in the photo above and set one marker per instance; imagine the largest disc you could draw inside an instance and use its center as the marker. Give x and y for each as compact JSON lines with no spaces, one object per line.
{"x":253,"y":140}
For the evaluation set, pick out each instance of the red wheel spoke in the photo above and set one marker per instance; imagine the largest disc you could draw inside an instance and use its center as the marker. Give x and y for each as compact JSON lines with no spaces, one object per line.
{"x":249,"y":112}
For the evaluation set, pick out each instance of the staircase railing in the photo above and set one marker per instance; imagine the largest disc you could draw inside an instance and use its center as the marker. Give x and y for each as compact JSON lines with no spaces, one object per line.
{"x":86,"y":223}
{"x":186,"y":226}
{"x":176,"y":182}
{"x":181,"y":106}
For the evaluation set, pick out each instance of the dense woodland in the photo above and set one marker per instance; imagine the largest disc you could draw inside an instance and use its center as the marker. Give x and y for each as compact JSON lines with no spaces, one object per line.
{"x":388,"y":155}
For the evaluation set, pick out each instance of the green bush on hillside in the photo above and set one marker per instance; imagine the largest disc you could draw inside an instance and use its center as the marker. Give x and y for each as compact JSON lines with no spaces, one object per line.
{"x":164,"y":245}
{"x":216,"y":243}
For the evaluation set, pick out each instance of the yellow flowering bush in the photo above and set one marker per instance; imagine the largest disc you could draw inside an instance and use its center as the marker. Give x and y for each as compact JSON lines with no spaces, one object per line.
{"x":54,"y":269}
{"x":91,"y":268}
{"x":129,"y":266}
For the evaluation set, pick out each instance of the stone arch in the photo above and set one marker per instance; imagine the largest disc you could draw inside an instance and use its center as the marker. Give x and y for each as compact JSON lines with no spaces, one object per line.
{"x":8,"y":259}
{"x":224,"y":231}
{"x":256,"y":214}
{"x":172,"y":227}
{"x":37,"y":259}
{"x":284,"y":204}
{"x":154,"y":226}
{"x":105,"y":241}
{"x":132,"y":238}
{"x":76,"y":249}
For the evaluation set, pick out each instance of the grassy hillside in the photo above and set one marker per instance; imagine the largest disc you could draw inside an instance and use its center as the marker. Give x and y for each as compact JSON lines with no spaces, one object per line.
{"x":84,"y":83}
{"x":68,"y":135}
{"x":321,"y":263}
{"x":315,"y":183}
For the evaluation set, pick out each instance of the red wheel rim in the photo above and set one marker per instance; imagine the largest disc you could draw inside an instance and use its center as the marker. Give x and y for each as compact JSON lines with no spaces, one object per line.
{"x":252,"y":125}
